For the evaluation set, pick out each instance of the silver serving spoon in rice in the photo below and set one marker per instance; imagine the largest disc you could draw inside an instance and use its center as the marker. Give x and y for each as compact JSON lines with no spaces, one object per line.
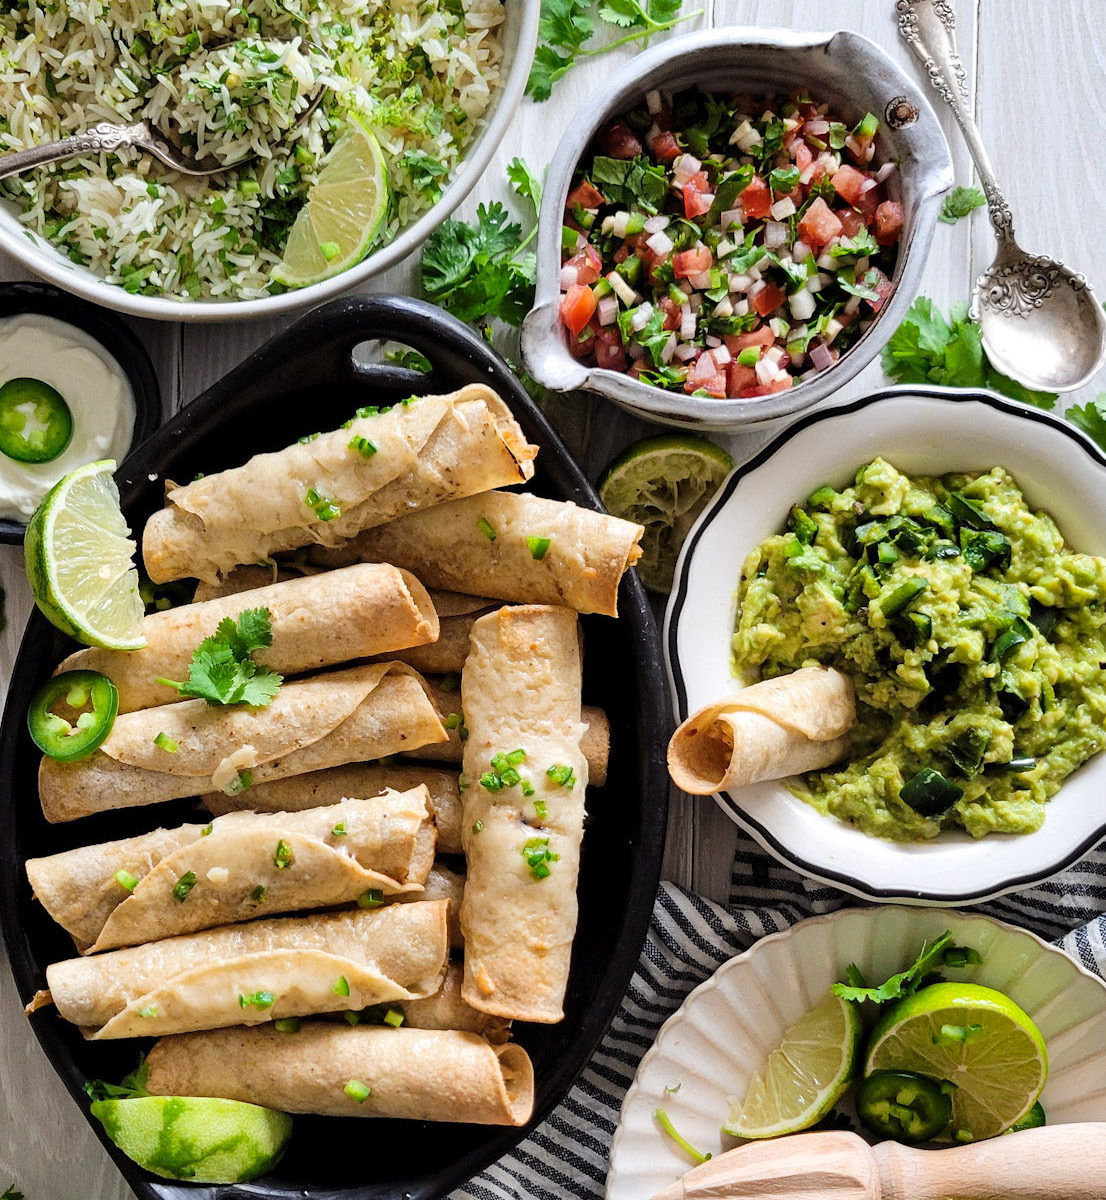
{"x":145,"y":136}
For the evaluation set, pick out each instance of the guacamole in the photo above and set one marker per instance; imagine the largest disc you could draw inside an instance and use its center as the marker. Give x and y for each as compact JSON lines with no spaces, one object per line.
{"x":975,"y":640}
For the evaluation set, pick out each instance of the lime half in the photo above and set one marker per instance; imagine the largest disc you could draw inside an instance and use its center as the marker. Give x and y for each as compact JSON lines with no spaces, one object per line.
{"x":201,"y":1139}
{"x":79,"y":557}
{"x":804,"y":1076}
{"x":663,"y":483}
{"x":977,"y":1039}
{"x":344,"y":212}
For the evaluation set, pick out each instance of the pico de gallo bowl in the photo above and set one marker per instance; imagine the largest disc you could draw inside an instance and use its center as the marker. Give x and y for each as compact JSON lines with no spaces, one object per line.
{"x":725,"y":245}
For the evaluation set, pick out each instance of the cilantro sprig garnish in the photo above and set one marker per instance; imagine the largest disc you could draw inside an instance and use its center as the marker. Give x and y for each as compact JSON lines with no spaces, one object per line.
{"x":133,"y":1085}
{"x":567,"y":26}
{"x":480,"y":271}
{"x":223,"y":670}
{"x":1091,"y":418}
{"x":932,"y":957}
{"x":959,"y":203}
{"x":927,"y":348}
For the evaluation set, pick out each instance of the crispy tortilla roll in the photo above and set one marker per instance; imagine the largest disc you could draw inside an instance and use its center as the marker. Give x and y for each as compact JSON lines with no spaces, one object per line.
{"x":317,"y":621}
{"x":509,"y":545}
{"x":322,"y":721}
{"x":261,"y":971}
{"x":326,"y":490}
{"x":774,"y":728}
{"x":366,"y":1071}
{"x":521,"y":694}
{"x":124,"y":893}
{"x":443,"y":883}
{"x":446,"y":1009}
{"x":355,"y":779}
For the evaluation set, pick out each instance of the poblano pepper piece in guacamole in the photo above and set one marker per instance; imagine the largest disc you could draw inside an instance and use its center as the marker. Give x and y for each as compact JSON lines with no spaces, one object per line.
{"x":975,"y":639}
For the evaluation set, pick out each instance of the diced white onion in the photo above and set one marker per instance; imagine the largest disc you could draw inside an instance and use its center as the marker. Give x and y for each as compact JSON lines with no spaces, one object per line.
{"x":621,"y":221}
{"x":754,"y":274}
{"x":740,"y":283}
{"x":765,"y":369}
{"x":801,"y":304}
{"x":642,"y":316}
{"x":790,"y":123}
{"x":775,"y":355}
{"x":832,"y":329}
{"x":757,"y":287}
{"x":700,"y":280}
{"x":818,"y":127}
{"x":745,"y":137}
{"x":706,"y":197}
{"x":696,"y":301}
{"x":656,"y":224}
{"x":721,"y":355}
{"x":779,"y":327}
{"x":827,"y":262}
{"x":732,"y":218}
{"x":653,"y":102}
{"x":820,"y":356}
{"x":687,"y":322}
{"x":806,"y":175}
{"x":800,"y":252}
{"x":723,"y":308}
{"x":686,"y":352}
{"x":608,"y":310}
{"x":569,"y":276}
{"x":861,"y":266}
{"x":713,"y":342}
{"x":775,"y":232}
{"x":741,"y":308}
{"x":867,"y":186}
{"x":852,"y":304}
{"x":685,"y":166}
{"x":659,"y":242}
{"x":885,"y":171}
{"x":607,"y":226}
{"x":668,"y":349}
{"x":783,"y":208}
{"x":622,"y":289}
{"x":724,"y":248}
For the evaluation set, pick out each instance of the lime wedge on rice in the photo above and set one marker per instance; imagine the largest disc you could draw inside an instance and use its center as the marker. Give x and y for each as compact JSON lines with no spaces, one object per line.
{"x":198,"y":1138}
{"x":977,"y":1039}
{"x":343,"y":214}
{"x":804,"y":1076}
{"x":663,"y":483}
{"x":79,"y":557}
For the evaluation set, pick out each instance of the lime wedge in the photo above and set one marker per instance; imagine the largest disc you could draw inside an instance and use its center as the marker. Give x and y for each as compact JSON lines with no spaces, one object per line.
{"x":663,"y":483}
{"x":977,"y":1039}
{"x":198,"y":1138}
{"x":79,"y":557}
{"x":804,"y":1076}
{"x":344,"y":212}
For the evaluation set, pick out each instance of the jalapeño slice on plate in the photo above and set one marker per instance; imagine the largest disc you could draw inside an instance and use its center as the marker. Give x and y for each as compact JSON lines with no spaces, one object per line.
{"x":35,"y":421}
{"x":91,"y":696}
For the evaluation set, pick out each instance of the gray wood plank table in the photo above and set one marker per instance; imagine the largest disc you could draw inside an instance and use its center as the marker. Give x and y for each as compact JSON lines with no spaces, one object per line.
{"x":1035,"y":69}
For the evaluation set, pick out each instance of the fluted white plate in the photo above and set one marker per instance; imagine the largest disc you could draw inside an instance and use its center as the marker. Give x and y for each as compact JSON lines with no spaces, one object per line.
{"x":708,"y":1050}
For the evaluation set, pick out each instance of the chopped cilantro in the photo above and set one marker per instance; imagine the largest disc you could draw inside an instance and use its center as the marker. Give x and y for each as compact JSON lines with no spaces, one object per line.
{"x":562,"y":775}
{"x":164,"y":742}
{"x":538,"y":857}
{"x":933,"y":955}
{"x":223,"y":670}
{"x":364,"y":446}
{"x":132,"y":1085}
{"x":258,"y":1000}
{"x":1091,"y":418}
{"x":339,"y":830}
{"x":322,"y":506}
{"x":258,"y":892}
{"x":283,"y":857}
{"x":183,"y":886}
{"x":372,"y":898}
{"x":959,"y":202}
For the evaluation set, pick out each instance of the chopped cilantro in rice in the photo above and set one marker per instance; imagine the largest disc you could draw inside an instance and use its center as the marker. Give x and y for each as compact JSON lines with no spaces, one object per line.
{"x":236,"y":79}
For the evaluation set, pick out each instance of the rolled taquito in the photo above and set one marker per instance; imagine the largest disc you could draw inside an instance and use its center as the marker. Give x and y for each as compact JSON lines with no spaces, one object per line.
{"x":318,"y":788}
{"x":524,"y":779}
{"x":260,"y":971}
{"x":366,"y":1071}
{"x":321,"y":721}
{"x":778,"y":727}
{"x":325,"y":489}
{"x":443,"y":883}
{"x":508,"y":545}
{"x":317,"y":621}
{"x":242,"y":866}
{"x":446,"y":1009}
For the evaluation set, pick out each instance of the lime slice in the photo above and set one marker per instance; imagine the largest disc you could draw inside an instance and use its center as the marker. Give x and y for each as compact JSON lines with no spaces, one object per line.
{"x":79,"y":561}
{"x":663,"y":483}
{"x":977,"y":1039}
{"x":198,"y":1138}
{"x":344,"y":212}
{"x":804,"y":1076}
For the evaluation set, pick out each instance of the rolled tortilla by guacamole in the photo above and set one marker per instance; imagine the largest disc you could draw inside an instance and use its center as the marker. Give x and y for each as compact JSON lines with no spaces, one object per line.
{"x":596,"y":743}
{"x":365,"y":1071}
{"x":319,"y":788}
{"x":317,"y":621}
{"x":260,"y":971}
{"x":321,"y":721}
{"x":242,"y":866}
{"x":777,"y":727}
{"x":523,"y":810}
{"x":508,"y":545}
{"x":325,"y":489}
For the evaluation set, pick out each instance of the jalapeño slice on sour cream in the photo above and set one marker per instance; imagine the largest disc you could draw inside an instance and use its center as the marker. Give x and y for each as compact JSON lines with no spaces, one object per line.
{"x":35,"y":421}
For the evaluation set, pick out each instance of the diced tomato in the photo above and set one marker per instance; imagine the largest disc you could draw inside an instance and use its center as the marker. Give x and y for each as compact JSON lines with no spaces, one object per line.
{"x":673,"y":313}
{"x":609,"y":353}
{"x":851,"y":221}
{"x":584,"y":194}
{"x":738,"y":378}
{"x":665,"y":147}
{"x":622,"y":253}
{"x":888,"y":222}
{"x":705,"y":374}
{"x":588,"y":264}
{"x":848,"y":181}
{"x":766,"y":389}
{"x":768,"y":299}
{"x":756,"y":199}
{"x":692,"y":262}
{"x":618,"y":141}
{"x":868,"y":203}
{"x":802,"y":154}
{"x":761,"y":336}
{"x":697,"y":195}
{"x":882,"y":288}
{"x":583,"y":343}
{"x":818,"y":224}
{"x":577,"y":307}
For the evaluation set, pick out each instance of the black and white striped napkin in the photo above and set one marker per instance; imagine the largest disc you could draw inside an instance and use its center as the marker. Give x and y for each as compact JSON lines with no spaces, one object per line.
{"x":689,"y":938}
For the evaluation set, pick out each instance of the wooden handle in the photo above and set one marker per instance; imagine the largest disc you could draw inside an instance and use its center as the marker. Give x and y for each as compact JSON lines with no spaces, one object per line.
{"x":1056,"y":1162}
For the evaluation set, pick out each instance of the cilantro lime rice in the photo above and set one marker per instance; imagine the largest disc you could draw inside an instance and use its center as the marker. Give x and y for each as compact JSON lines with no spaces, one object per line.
{"x":236,"y":78}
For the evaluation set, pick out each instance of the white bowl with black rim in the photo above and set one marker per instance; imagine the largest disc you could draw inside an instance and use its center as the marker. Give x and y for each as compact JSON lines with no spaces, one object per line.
{"x":922,"y":431}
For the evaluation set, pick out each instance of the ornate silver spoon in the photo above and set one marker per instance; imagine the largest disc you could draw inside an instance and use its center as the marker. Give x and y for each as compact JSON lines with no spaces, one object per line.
{"x":1040,"y":321}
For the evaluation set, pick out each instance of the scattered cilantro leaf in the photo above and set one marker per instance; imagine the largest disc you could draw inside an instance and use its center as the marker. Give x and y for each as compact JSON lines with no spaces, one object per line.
{"x":927,"y":348}
{"x":223,"y":671}
{"x":939,"y":953}
{"x":1091,"y":418}
{"x":959,"y":202}
{"x":481,"y":271}
{"x":132,"y":1085}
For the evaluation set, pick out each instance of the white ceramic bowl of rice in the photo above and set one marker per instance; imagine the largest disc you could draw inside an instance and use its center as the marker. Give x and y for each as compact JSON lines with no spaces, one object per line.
{"x":438,"y":82}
